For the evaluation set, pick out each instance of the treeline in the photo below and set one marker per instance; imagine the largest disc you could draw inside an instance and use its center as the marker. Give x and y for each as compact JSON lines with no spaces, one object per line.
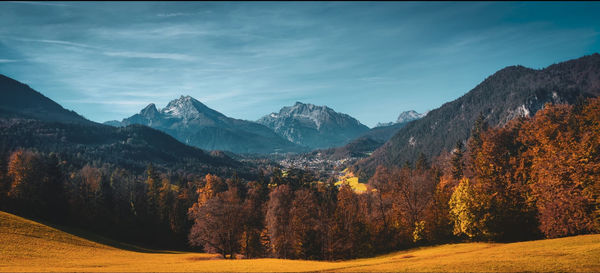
{"x":532,"y":178}
{"x":312,"y":219}
{"x":148,"y":209}
{"x":538,"y":176}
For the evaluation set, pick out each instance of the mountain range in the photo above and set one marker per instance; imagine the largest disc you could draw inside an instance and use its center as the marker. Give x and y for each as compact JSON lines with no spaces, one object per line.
{"x":29,"y":120}
{"x":370,"y":140}
{"x":512,"y":92}
{"x":298,"y":128}
{"x":314,"y":126}
{"x":193,"y":123}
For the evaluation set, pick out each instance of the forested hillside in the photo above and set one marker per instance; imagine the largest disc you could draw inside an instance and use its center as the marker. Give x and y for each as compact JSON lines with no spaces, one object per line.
{"x":512,"y":92}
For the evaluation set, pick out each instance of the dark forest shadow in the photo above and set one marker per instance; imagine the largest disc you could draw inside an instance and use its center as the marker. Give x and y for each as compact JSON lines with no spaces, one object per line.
{"x":90,"y":236}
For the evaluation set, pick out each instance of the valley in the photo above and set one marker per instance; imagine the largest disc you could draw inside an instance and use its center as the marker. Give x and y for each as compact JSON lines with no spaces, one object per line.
{"x":299,"y":137}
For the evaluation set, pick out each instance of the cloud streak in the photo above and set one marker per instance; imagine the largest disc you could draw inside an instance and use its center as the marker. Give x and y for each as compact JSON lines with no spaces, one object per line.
{"x":39,"y":3}
{"x":149,"y":55}
{"x":54,"y":42}
{"x":371,"y":61}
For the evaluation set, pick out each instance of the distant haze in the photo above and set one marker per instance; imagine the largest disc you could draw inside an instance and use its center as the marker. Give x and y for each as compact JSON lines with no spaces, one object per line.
{"x":372,"y":61}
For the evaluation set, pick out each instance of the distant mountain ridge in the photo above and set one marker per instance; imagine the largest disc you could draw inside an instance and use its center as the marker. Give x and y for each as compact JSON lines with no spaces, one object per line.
{"x":371,"y":140}
{"x":29,"y":120}
{"x":314,"y":126}
{"x":514,"y":91}
{"x":19,"y":98}
{"x":193,"y":123}
{"x":404,"y":117}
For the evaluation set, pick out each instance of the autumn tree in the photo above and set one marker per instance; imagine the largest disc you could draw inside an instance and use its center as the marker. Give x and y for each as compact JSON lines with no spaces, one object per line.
{"x":438,"y":225}
{"x":383,"y":219}
{"x":413,"y":192}
{"x":470,"y":211}
{"x":252,"y":242}
{"x":351,"y":236}
{"x":564,"y":151}
{"x":501,"y":174}
{"x":218,"y":223}
{"x":4,"y":183}
{"x":304,"y":225}
{"x":212,"y":185}
{"x":36,"y":185}
{"x":26,"y":178}
{"x":326,"y":224}
{"x":166,"y":202}
{"x":277,"y":221}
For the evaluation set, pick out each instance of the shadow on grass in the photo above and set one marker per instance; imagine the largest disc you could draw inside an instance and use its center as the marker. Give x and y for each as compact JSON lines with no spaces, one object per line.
{"x":90,"y":236}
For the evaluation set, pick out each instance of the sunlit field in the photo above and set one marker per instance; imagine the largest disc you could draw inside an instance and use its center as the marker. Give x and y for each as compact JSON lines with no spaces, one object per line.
{"x":30,"y":246}
{"x":351,"y":180}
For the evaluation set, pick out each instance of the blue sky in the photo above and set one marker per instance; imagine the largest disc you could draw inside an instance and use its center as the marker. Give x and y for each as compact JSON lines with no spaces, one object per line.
{"x":367,"y":59}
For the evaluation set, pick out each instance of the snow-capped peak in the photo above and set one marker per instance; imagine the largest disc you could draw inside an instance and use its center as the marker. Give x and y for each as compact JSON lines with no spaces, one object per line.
{"x":404,"y":117}
{"x":185,"y":107}
{"x":313,"y":125}
{"x":407,"y":116}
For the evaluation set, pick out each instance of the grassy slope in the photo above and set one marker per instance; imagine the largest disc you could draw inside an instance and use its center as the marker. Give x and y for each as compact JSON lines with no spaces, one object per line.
{"x":352,"y":181}
{"x":29,"y":246}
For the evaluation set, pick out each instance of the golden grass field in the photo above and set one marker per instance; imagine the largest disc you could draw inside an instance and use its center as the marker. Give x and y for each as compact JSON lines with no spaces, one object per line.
{"x":30,"y":246}
{"x":352,"y":181}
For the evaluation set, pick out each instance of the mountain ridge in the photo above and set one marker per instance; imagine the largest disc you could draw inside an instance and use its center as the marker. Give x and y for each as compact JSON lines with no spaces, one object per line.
{"x":192,"y":122}
{"x":511,"y":92}
{"x":65,"y":132}
{"x":19,"y":98}
{"x":313,"y":126}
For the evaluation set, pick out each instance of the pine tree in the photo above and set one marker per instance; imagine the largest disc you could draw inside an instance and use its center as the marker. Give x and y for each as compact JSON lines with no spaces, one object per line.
{"x":457,"y":161}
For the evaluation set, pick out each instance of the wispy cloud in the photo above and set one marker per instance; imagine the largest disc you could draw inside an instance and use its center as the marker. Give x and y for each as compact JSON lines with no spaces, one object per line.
{"x":126,"y":54}
{"x":371,"y":61}
{"x":39,"y":3}
{"x":221,"y":95}
{"x":174,"y":14}
{"x":150,"y":55}
{"x":56,"y":42}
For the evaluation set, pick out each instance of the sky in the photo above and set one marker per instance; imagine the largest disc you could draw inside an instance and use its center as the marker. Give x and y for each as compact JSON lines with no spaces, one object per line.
{"x":371,"y":60}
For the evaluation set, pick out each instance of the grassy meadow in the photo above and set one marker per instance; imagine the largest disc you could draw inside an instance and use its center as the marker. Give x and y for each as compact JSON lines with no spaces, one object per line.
{"x":26,"y":245}
{"x":351,"y":180}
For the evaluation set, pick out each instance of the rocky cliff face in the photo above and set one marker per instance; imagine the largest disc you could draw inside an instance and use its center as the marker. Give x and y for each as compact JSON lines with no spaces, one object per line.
{"x":314,"y":126}
{"x":193,"y":123}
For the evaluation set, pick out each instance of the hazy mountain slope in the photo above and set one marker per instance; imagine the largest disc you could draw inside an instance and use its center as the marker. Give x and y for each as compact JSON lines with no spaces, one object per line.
{"x":371,"y":140}
{"x":511,"y":92}
{"x":384,"y":131}
{"x":193,"y":123}
{"x":404,"y":117}
{"x":19,"y":98}
{"x":132,"y":147}
{"x":33,"y":121}
{"x":314,"y":126}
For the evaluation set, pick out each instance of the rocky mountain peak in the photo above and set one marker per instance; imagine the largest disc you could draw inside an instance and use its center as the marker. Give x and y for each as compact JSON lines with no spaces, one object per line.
{"x":408,"y":116}
{"x":149,"y":111}
{"x":313,"y":126}
{"x":404,"y":117}
{"x":193,"y":123}
{"x":186,"y":107}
